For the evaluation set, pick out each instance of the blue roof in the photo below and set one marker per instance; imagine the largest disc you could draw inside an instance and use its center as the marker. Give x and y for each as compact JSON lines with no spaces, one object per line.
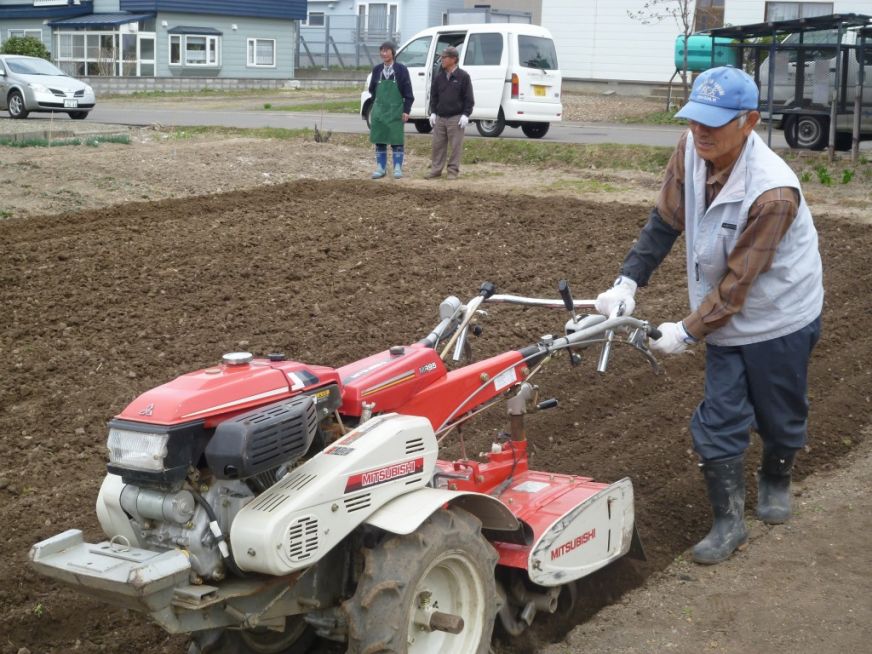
{"x":187,"y":29}
{"x":100,"y":20}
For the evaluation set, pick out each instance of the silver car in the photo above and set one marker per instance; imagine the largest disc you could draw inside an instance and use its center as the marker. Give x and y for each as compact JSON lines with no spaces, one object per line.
{"x":32,"y":84}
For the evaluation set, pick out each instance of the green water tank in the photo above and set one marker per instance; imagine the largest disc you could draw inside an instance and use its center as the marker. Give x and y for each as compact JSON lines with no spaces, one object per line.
{"x":699,"y":52}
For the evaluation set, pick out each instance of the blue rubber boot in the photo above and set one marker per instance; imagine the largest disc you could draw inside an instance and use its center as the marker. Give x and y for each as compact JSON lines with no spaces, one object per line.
{"x":398,"y":164}
{"x":725,"y":482}
{"x":381,"y":163}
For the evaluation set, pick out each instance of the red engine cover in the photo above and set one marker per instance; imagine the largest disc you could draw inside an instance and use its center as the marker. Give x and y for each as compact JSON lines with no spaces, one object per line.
{"x":389,"y":380}
{"x":215,"y":393}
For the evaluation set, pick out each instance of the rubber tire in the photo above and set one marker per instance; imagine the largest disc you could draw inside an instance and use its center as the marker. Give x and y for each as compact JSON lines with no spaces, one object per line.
{"x":535,"y":130}
{"x":844,"y":141}
{"x":807,"y":132}
{"x":491,"y":128}
{"x":78,"y":115}
{"x":447,"y":549}
{"x":15,"y":105}
{"x":296,"y":639}
{"x":423,"y":126}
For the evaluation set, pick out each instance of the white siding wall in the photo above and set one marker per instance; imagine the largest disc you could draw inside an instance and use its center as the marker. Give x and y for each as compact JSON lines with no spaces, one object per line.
{"x":597,"y":40}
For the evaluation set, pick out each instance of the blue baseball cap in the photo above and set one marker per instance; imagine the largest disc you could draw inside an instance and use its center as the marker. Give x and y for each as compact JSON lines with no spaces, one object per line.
{"x":719,"y":95}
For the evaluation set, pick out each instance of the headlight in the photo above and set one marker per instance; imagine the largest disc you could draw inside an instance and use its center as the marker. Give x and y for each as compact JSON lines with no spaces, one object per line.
{"x":140,"y":450}
{"x":39,"y":88}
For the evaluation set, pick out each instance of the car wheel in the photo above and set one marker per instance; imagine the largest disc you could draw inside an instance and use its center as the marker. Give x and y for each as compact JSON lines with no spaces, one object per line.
{"x":807,"y":132}
{"x":535,"y":130}
{"x":78,"y":115}
{"x":15,"y":105}
{"x":491,"y":128}
{"x":423,"y":126}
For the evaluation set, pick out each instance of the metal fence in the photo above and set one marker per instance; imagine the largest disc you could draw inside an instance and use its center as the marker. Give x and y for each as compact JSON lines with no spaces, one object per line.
{"x":342,"y":42}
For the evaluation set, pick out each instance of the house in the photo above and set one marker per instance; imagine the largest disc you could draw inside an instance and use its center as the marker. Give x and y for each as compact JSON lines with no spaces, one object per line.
{"x":190,"y":39}
{"x":347,"y":33}
{"x":602,"y":41}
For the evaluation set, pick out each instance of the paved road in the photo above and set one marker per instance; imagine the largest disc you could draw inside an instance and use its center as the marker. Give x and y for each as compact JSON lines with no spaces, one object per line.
{"x":566,"y":132}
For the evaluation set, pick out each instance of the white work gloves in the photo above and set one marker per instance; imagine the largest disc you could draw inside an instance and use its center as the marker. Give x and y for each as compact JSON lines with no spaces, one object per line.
{"x":432,"y":120}
{"x":674,"y":339}
{"x":623,"y":290}
{"x":463,"y":122}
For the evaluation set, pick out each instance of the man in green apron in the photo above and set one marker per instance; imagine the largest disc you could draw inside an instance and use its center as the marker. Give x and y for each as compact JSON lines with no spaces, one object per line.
{"x":391,"y":89}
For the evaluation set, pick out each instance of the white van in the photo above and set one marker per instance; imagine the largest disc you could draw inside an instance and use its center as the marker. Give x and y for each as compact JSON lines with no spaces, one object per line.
{"x":515,"y":77}
{"x":806,"y":122}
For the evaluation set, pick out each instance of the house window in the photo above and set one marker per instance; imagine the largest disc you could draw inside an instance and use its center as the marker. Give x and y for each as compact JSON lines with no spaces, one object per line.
{"x":709,"y":14}
{"x":379,"y":19}
{"x":794,"y":10}
{"x":193,"y":50}
{"x":315,"y":19}
{"x":37,"y":34}
{"x":262,"y":52}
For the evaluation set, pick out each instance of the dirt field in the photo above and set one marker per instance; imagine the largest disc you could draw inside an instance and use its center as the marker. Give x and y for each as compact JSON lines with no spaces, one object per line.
{"x":126,"y":265}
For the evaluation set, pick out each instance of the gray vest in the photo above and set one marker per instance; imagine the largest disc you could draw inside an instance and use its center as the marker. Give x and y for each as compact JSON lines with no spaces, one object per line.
{"x":784,"y":298}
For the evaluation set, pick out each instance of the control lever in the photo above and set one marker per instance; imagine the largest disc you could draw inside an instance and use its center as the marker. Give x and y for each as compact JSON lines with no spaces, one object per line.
{"x":566,"y":296}
{"x":607,"y":346}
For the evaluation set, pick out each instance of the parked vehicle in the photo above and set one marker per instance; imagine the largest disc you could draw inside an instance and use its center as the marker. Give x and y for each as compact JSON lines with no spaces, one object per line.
{"x":29,"y":84}
{"x":515,"y":75}
{"x":260,"y":502}
{"x":806,"y":121}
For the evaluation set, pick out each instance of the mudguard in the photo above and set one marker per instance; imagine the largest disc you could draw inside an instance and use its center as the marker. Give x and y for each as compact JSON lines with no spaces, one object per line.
{"x":406,"y":513}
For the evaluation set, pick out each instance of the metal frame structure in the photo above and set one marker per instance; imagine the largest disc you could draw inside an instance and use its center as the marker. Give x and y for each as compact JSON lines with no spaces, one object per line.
{"x":747,"y":38}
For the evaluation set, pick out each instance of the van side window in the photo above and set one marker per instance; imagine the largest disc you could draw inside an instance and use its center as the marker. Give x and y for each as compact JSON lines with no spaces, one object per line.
{"x":537,"y":52}
{"x":415,"y":53}
{"x":484,"y":50}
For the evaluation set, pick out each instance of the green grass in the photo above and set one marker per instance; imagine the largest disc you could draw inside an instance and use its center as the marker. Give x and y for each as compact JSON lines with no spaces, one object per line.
{"x":508,"y":151}
{"x":655,"y":118}
{"x":333,"y":106}
{"x":218,"y":93}
{"x":92,"y":141}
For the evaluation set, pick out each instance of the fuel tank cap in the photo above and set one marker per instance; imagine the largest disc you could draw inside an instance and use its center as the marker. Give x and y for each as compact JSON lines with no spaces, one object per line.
{"x":237,"y":358}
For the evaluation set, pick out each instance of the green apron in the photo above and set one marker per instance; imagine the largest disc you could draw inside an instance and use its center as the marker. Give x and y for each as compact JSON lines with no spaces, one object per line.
{"x":386,"y":116}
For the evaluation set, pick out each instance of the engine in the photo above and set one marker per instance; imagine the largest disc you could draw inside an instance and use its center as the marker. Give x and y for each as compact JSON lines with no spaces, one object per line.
{"x":180,"y":486}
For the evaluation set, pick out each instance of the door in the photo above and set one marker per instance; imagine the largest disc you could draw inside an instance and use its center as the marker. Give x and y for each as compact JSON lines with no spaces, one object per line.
{"x":485,"y":58}
{"x":416,"y":57}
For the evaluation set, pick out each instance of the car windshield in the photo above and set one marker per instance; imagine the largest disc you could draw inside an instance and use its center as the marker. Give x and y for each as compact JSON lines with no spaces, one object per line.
{"x":33,"y":67}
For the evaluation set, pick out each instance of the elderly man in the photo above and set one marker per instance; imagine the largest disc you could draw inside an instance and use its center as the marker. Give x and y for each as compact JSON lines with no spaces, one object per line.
{"x":756,"y":294}
{"x":451,"y":103}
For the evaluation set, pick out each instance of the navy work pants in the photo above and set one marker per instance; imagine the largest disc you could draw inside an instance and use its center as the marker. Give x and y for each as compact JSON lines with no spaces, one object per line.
{"x":762,"y":386}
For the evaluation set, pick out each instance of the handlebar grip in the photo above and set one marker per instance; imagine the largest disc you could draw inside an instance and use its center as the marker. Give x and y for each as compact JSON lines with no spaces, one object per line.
{"x":563,"y":289}
{"x":654,"y":333}
{"x":487,"y":289}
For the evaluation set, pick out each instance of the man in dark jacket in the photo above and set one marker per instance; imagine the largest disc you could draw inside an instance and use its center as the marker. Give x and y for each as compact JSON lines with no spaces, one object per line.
{"x":451,"y":103}
{"x":391,"y":89}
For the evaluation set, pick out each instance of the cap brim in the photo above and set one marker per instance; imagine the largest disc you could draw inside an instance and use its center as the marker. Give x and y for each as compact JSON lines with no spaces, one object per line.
{"x":707,"y":114}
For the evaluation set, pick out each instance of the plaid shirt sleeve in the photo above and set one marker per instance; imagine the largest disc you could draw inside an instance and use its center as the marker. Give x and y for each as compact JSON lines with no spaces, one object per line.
{"x":769,"y":218}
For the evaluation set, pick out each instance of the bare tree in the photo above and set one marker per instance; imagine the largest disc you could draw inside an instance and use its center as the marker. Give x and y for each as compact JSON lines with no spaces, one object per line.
{"x":681,"y":11}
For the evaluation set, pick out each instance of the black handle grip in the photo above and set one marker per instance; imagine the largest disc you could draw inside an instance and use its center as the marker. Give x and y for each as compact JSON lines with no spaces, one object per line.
{"x":547,"y":404}
{"x":654,"y":333}
{"x":566,"y":295}
{"x":487,"y":289}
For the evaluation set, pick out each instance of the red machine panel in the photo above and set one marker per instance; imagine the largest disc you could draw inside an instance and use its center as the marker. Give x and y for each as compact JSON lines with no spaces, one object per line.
{"x":225,"y":389}
{"x":389,"y":379}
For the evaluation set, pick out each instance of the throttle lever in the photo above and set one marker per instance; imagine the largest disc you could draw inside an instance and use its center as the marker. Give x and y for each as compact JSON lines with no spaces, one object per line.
{"x":566,"y":296}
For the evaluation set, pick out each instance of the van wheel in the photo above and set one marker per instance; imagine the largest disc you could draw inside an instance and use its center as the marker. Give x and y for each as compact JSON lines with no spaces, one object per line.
{"x":844,"y":141}
{"x":535,"y":130}
{"x":423,"y":126}
{"x":806,"y":132}
{"x":491,"y":128}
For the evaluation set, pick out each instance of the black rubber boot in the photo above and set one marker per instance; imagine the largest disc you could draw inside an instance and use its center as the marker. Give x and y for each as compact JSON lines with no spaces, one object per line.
{"x":725,"y":482}
{"x":773,"y":486}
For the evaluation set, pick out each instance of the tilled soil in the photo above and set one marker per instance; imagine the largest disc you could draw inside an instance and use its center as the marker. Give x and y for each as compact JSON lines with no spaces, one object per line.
{"x":103,"y":305}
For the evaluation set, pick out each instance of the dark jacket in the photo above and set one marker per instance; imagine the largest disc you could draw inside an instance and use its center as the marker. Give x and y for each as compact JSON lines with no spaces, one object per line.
{"x":451,"y":95}
{"x":404,"y":84}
